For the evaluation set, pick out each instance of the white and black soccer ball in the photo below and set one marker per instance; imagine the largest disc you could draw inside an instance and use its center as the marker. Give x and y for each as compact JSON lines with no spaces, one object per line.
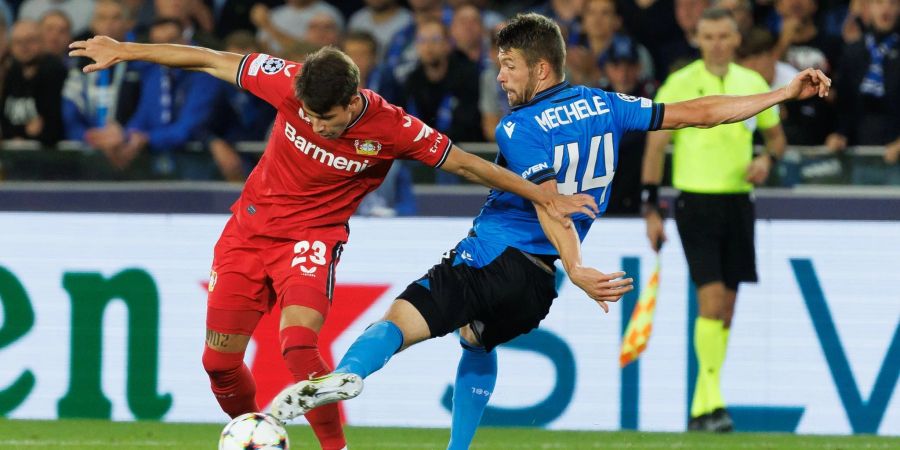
{"x":254,"y":431}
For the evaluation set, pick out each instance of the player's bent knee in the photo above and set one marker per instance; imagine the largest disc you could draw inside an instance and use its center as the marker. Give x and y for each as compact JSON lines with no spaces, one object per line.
{"x":217,"y":362}
{"x":410,"y":322}
{"x":301,"y":316}
{"x":304,"y":306}
{"x":469,"y":336}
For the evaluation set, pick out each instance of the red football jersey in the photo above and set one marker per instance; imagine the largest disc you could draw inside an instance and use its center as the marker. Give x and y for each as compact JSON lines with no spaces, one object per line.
{"x":306,"y":181}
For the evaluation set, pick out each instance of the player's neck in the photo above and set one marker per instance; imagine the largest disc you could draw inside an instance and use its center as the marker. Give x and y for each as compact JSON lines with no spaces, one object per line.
{"x":543,"y":85}
{"x":357,"y":110}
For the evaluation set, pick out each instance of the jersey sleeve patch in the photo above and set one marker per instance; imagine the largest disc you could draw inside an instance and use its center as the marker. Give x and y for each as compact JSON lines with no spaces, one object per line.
{"x":267,"y":77}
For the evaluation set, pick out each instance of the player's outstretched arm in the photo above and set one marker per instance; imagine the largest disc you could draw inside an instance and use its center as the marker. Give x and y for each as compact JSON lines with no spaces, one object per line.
{"x":106,"y":52}
{"x":486,"y":173}
{"x":597,"y":285}
{"x":706,"y":112}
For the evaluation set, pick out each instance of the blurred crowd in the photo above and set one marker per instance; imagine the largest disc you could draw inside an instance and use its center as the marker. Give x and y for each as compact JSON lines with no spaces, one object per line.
{"x":435,"y":58}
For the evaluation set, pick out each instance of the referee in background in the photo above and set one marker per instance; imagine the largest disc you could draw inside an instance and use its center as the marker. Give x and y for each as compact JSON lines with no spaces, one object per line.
{"x":714,"y":169}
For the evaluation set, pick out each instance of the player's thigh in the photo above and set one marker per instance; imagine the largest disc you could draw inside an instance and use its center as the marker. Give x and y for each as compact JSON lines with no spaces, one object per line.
{"x":229,"y":331}
{"x":700,"y":228}
{"x":443,"y":297}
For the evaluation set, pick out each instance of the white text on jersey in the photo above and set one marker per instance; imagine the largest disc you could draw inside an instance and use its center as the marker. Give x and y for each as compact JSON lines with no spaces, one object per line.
{"x":322,"y":155}
{"x":534,"y":169}
{"x":570,"y":112}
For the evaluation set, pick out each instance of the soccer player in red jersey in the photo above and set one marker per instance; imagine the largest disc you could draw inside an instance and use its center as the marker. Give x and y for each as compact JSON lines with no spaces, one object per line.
{"x":330,"y":145}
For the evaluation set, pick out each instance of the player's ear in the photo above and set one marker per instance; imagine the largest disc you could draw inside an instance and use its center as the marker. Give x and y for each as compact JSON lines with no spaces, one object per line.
{"x":540,"y":69}
{"x":355,"y":101}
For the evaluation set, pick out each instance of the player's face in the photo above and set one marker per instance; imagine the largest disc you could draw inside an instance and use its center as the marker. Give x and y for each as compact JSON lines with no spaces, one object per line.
{"x":332,"y":123}
{"x":515,"y":77}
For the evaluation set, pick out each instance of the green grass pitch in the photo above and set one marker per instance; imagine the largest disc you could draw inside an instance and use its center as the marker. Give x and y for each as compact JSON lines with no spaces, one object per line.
{"x":91,"y":434}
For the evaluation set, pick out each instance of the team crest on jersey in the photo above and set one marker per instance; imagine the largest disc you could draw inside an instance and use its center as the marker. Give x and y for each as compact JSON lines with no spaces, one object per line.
{"x":367,"y":147}
{"x":628,"y":98}
{"x":272,"y":66}
{"x":213,"y":276}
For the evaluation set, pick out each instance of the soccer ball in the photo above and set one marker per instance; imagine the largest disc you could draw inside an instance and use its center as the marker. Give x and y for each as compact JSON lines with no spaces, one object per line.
{"x":254,"y":431}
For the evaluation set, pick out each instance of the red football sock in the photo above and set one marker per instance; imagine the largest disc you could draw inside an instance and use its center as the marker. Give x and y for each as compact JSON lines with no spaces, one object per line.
{"x":231,"y":381}
{"x":301,"y":353}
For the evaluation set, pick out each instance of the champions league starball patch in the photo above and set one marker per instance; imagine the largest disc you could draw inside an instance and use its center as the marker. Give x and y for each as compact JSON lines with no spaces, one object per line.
{"x":272,"y":66}
{"x":627,"y":98}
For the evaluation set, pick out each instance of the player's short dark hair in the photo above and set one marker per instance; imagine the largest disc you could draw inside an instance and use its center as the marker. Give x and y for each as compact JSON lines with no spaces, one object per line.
{"x":537,"y":37}
{"x":328,"y":78}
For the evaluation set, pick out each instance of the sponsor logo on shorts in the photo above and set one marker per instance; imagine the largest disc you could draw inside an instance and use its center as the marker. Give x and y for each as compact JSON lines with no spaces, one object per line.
{"x":367,"y":147}
{"x":213,"y":276}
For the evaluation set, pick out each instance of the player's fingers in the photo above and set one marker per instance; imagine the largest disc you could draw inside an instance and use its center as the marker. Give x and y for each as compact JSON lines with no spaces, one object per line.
{"x":610,"y":298}
{"x":586,"y":211}
{"x":77,"y":44}
{"x":590,"y":202}
{"x":614,"y":284}
{"x":91,"y":68}
{"x":603,"y":305}
{"x":611,"y":276}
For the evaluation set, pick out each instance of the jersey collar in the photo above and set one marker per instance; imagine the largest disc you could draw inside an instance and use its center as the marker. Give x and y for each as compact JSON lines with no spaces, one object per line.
{"x":546,"y":93}
{"x":361,"y":113}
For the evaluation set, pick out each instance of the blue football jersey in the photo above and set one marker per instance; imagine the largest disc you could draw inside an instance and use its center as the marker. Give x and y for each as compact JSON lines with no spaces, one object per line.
{"x":568,"y":133}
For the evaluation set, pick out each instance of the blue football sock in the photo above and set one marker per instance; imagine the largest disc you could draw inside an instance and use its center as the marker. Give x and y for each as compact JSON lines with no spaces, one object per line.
{"x":475,"y":380}
{"x":372,"y":349}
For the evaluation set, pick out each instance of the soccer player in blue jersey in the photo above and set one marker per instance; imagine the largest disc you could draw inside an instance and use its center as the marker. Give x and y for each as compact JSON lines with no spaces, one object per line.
{"x":498,"y":282}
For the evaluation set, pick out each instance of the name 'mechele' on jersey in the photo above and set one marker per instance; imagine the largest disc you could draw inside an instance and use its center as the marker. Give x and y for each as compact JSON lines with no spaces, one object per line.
{"x":567,"y":133}
{"x":305,"y":181}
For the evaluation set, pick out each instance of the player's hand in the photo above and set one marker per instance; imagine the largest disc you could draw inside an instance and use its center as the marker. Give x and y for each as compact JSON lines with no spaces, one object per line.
{"x":560,"y":206}
{"x":758,"y":170}
{"x":656,"y":232}
{"x":104,"y":50}
{"x":808,"y":83}
{"x":600,"y":286}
